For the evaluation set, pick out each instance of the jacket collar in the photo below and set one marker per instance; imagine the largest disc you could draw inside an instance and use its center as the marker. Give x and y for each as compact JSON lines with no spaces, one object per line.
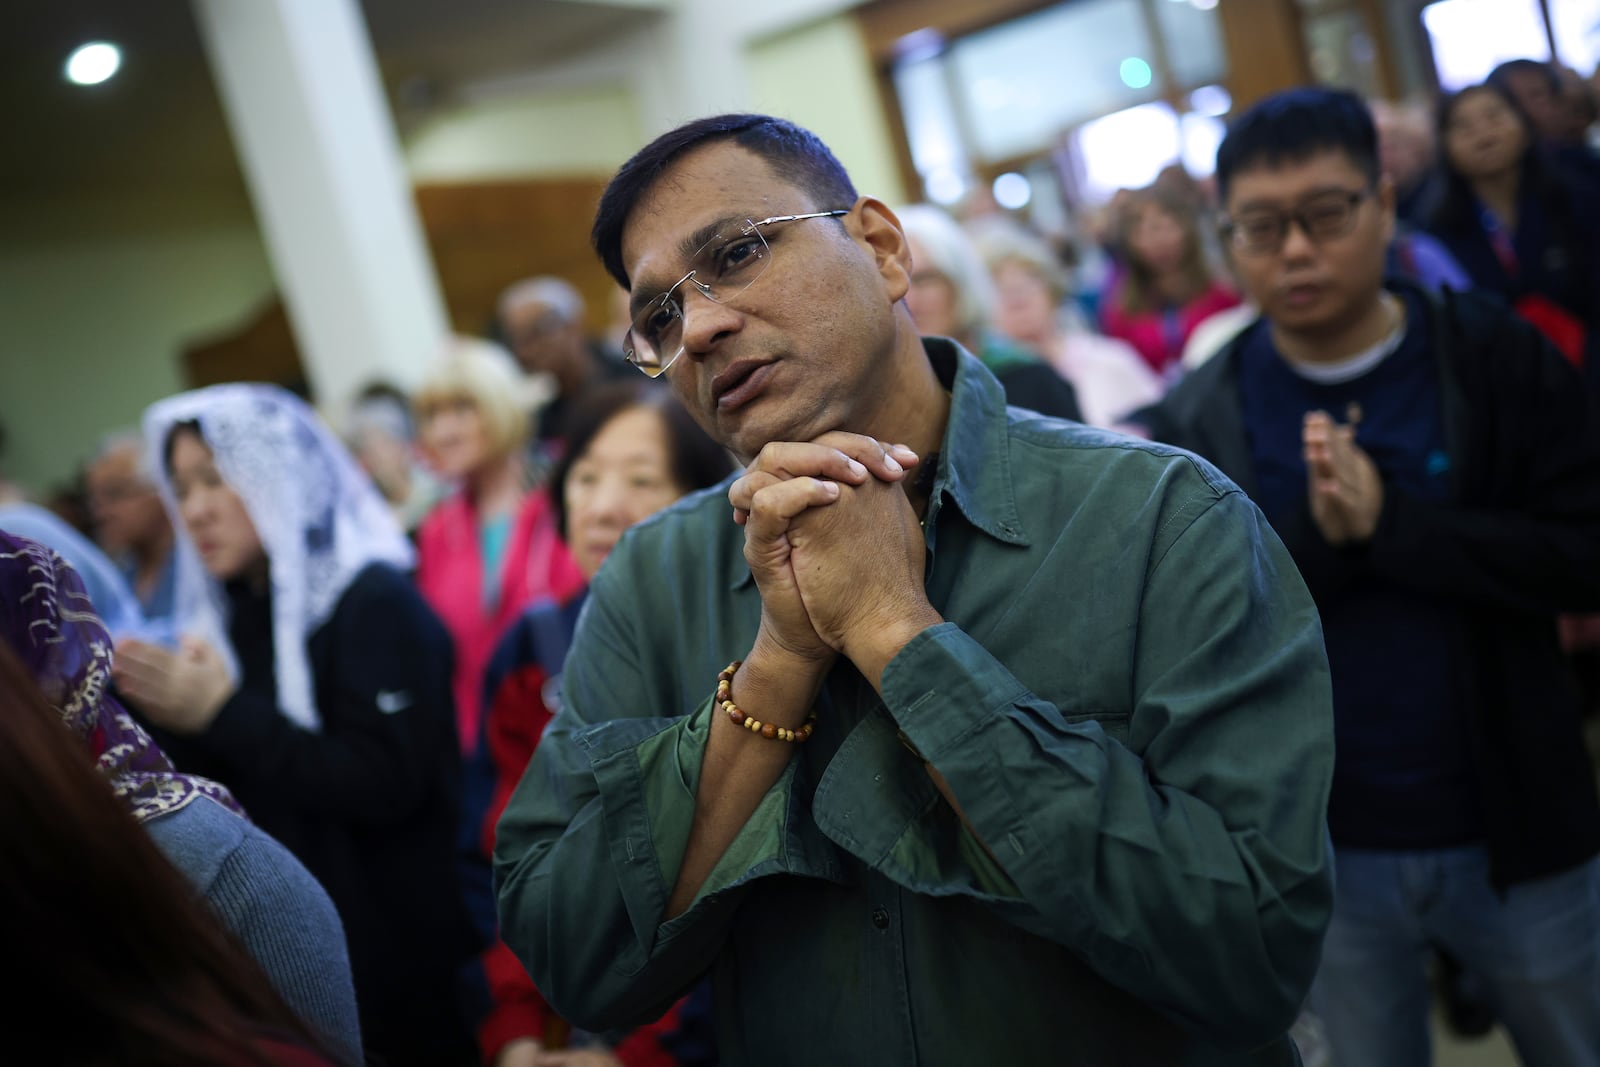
{"x":975,"y":458}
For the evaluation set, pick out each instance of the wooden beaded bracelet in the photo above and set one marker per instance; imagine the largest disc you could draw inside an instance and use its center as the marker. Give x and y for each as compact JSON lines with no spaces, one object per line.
{"x":771,"y":731}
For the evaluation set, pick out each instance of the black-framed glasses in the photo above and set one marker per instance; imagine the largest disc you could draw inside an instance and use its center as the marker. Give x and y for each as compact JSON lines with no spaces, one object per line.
{"x":1325,"y":217}
{"x":724,"y":267}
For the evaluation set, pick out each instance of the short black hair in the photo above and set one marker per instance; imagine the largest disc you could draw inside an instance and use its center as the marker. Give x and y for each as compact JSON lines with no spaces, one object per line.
{"x":789,"y":150}
{"x":697,"y":462}
{"x":1294,"y":125}
{"x":1502,"y":74}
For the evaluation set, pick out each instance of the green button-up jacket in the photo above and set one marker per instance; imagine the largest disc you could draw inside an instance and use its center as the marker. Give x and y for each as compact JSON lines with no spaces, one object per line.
{"x":1129,"y":698}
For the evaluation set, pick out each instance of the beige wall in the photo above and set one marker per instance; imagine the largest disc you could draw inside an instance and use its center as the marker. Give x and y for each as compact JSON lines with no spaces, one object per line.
{"x":821,"y":77}
{"x":562,"y":132}
{"x":94,"y":321}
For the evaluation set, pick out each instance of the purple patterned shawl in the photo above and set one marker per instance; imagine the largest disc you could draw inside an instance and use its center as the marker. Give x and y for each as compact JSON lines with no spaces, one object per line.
{"x":47,"y":619}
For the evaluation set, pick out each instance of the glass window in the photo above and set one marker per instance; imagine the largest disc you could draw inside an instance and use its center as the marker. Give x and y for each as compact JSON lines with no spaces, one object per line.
{"x":1471,"y":37}
{"x":931,"y":127}
{"x":1576,"y":24}
{"x":1194,"y":40}
{"x":1202,"y":136}
{"x":1129,"y":149}
{"x":1341,"y":51}
{"x":1025,"y":80}
{"x":1125,"y":150}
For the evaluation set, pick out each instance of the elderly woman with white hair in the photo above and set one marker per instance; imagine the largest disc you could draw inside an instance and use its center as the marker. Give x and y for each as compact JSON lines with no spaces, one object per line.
{"x":951,"y":296}
{"x":491,"y":548}
{"x":1110,"y":379}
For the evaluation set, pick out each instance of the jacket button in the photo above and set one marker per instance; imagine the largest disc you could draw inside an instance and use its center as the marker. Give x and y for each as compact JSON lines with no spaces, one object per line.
{"x":880,"y":918}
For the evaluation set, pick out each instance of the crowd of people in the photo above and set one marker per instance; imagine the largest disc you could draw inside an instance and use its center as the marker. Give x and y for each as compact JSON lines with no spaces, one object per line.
{"x":931,"y":658}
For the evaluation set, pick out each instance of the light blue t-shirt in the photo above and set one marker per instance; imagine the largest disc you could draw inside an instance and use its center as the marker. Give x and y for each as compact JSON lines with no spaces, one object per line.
{"x":493,"y":536}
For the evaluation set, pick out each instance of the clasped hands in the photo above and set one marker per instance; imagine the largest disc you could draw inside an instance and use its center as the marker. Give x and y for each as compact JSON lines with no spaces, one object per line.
{"x":836,"y":549}
{"x":1346,"y":490}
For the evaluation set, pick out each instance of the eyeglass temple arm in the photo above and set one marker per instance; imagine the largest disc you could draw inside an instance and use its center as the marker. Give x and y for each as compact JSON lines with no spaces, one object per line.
{"x":809,"y":215}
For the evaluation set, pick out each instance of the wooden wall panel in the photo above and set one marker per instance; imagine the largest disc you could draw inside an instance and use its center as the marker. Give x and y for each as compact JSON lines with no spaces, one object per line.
{"x":1265,"y":49}
{"x":486,"y":235}
{"x":483,"y":236}
{"x":884,"y":22}
{"x":261,"y":349}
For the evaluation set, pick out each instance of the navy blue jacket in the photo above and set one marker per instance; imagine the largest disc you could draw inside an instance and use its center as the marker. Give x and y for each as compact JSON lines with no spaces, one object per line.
{"x":1516,"y":543}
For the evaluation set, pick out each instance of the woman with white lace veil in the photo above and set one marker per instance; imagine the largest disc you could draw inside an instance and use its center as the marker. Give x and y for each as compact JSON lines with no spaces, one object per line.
{"x":314,"y":682}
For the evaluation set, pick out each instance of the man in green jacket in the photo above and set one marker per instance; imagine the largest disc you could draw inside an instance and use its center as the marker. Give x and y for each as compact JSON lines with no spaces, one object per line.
{"x":1027,"y":752}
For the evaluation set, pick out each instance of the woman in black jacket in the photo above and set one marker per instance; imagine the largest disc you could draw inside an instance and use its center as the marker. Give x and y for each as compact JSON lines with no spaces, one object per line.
{"x":314,"y":682}
{"x":1519,"y":225}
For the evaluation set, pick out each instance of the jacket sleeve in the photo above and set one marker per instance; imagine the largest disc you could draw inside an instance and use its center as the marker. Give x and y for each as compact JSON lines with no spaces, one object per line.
{"x":1327,"y":569}
{"x":386,"y":710}
{"x":1187,"y":862}
{"x":284,"y":918}
{"x":614,"y":797}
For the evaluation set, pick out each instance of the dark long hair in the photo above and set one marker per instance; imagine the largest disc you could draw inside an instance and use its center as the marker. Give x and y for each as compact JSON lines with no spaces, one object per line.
{"x":1456,"y":210}
{"x":697,"y":462}
{"x":115,"y":961}
{"x":1139,"y":294}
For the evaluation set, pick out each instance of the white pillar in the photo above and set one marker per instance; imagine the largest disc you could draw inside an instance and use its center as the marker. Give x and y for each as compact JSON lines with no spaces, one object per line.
{"x":318,"y":147}
{"x":691,"y":65}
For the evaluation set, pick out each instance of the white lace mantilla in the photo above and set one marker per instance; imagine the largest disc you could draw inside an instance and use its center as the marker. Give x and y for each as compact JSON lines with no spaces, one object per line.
{"x":317,"y":514}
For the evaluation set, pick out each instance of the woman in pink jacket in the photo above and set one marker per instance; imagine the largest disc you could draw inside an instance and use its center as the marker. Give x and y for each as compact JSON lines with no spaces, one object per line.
{"x":491,"y":548}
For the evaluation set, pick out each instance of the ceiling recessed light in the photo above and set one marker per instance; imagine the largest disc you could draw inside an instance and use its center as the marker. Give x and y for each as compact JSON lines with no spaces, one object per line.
{"x":93,"y":63}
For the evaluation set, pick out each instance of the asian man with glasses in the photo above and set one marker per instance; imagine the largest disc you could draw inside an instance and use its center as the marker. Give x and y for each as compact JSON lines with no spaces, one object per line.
{"x":1434,"y":468}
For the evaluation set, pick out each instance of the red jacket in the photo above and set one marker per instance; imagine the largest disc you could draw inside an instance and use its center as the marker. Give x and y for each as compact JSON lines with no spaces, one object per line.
{"x":1159,"y":337}
{"x":450,"y":575}
{"x":516,"y":717}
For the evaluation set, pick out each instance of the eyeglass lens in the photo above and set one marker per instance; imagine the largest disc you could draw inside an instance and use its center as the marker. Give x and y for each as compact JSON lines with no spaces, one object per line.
{"x":724,"y":267}
{"x":1322,"y":219}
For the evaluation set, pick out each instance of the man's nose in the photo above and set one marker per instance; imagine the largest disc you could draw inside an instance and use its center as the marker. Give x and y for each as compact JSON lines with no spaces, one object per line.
{"x":1297,"y":243}
{"x":705,"y":321}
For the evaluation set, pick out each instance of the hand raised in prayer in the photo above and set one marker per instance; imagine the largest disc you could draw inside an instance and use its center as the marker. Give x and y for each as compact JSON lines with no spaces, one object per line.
{"x":785,"y":481}
{"x":180,"y":691}
{"x":859,"y":567}
{"x":1345,"y":487}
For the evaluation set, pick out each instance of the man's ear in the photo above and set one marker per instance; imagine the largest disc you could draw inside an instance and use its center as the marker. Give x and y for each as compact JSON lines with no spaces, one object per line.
{"x":880,"y":230}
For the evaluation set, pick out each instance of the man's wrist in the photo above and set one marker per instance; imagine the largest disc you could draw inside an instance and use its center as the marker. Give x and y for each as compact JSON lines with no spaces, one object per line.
{"x":778,"y":686}
{"x":873,"y":645}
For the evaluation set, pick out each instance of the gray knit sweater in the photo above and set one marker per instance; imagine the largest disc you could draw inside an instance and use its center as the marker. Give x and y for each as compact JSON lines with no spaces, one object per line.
{"x":276,"y":909}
